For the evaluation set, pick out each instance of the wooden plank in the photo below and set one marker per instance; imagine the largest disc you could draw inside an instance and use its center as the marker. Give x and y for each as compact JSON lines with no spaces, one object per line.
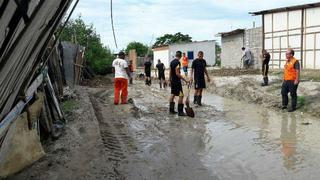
{"x":16,"y":111}
{"x":15,"y":74}
{"x":53,"y":96}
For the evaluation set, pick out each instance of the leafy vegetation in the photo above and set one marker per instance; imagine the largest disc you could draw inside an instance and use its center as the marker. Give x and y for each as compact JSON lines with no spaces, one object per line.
{"x":140,"y":48}
{"x":168,"y":39}
{"x":98,"y":57}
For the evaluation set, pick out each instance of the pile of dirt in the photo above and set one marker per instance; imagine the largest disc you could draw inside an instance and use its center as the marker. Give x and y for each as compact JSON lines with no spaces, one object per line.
{"x":79,"y":152}
{"x":248,"y":88}
{"x":97,"y":81}
{"x":233,"y":72}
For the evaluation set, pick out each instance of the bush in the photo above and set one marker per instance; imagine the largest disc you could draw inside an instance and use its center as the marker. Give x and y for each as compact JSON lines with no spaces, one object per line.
{"x":98,"y":57}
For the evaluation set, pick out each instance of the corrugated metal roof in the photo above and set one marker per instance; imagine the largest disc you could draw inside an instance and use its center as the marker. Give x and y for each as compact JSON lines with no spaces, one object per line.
{"x":237,"y":31}
{"x":290,"y":8}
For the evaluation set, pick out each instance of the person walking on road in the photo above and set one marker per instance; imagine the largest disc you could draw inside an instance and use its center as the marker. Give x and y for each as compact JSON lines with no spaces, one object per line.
{"x":290,"y":81}
{"x":246,"y":58}
{"x":175,"y":78}
{"x":147,"y":71}
{"x":131,"y":72}
{"x":161,"y":73}
{"x":265,"y":67}
{"x":121,"y":75}
{"x":185,"y":63}
{"x":198,"y":70}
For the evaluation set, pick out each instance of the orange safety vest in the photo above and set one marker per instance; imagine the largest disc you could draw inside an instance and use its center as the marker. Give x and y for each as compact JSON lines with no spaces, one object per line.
{"x":290,"y":73}
{"x":184,"y":61}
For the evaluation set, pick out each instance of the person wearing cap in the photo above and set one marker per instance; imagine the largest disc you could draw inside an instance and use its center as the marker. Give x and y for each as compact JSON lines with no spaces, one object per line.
{"x":121,"y":74}
{"x":290,"y":81}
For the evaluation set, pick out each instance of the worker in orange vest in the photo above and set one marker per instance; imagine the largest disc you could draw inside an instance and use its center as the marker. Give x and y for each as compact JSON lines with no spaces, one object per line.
{"x":185,"y":63}
{"x":290,"y":81}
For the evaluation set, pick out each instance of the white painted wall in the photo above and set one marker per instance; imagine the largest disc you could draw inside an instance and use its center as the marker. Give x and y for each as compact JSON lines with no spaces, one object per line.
{"x":292,"y":20}
{"x":208,"y":48}
{"x":163,"y":55}
{"x":312,"y":38}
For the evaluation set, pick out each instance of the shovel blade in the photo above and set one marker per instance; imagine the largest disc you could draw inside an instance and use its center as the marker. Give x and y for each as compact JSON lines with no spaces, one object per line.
{"x":189,"y":112}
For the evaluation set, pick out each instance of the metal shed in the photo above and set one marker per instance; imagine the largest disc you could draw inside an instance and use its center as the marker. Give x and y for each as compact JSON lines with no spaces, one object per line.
{"x":297,"y":27}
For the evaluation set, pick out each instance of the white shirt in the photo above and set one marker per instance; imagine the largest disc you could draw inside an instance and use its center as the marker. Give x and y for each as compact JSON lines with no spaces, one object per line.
{"x":119,"y":67}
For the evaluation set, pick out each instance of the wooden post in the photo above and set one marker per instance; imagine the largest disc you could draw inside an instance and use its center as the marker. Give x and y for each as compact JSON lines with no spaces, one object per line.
{"x":314,"y":50}
{"x":302,"y":38}
{"x":55,"y":100}
{"x":263,"y":33}
{"x":133,"y":58}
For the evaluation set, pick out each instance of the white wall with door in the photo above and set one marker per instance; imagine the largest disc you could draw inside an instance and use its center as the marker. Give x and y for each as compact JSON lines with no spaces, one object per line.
{"x":192,"y":49}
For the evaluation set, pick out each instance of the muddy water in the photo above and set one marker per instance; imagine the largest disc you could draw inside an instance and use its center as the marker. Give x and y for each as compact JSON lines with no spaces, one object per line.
{"x":251,"y":142}
{"x":227,"y":140}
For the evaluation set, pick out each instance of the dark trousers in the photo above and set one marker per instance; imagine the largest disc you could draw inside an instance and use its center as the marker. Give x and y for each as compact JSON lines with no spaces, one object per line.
{"x":265,"y":70}
{"x":288,"y":86}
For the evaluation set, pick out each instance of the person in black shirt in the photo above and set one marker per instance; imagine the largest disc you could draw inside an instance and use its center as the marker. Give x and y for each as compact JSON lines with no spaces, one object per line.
{"x":161,"y":75}
{"x":265,"y":67}
{"x":176,"y":86}
{"x":198,"y":70}
{"x":147,"y":71}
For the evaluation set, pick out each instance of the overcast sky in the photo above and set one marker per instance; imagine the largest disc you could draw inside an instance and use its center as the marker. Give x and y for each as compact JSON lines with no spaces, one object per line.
{"x":145,"y":20}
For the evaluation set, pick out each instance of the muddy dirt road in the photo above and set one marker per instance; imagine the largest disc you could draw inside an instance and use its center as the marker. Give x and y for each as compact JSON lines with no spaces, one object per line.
{"x":227,"y":140}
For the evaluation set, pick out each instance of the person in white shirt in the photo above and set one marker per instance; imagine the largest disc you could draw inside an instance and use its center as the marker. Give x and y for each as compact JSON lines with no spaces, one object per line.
{"x":121,"y":75}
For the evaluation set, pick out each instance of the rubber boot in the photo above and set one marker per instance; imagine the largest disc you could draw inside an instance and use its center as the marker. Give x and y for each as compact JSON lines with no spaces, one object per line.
{"x":180,"y":110}
{"x":195,"y":99}
{"x":199,"y":100}
{"x":171,"y":110}
{"x":267,"y":81}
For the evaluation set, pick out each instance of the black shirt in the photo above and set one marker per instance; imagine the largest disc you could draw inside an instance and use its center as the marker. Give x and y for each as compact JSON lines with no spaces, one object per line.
{"x":199,"y":66}
{"x":173,"y":66}
{"x":266,"y":59}
{"x":297,"y":65}
{"x":160,"y":68}
{"x":147,"y":66}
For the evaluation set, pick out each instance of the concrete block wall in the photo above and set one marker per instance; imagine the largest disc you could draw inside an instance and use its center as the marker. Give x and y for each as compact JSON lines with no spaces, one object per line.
{"x":231,"y":48}
{"x":253,"y":40}
{"x":231,"y":52}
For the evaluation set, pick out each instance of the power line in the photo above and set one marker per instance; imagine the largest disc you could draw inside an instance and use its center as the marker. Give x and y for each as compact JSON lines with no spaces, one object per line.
{"x":114,"y":34}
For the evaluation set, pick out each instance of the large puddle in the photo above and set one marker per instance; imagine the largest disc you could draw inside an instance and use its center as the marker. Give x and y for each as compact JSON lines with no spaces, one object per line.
{"x":252,"y":142}
{"x":228,"y":140}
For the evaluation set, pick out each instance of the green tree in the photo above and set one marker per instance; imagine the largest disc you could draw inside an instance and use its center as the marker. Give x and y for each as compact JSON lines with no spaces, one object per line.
{"x":168,"y":39}
{"x":218,"y":55}
{"x":99,"y":57}
{"x":140,"y":48}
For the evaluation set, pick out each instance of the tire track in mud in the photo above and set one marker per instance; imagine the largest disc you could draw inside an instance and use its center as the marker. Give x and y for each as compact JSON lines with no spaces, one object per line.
{"x":118,"y":144}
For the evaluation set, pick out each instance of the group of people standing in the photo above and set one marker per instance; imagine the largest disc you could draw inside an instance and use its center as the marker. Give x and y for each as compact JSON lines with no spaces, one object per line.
{"x":197,"y":78}
{"x":198,"y":72}
{"x":291,"y":78}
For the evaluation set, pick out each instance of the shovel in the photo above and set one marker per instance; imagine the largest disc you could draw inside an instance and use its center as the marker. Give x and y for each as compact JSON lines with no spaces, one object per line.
{"x":188,"y":109}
